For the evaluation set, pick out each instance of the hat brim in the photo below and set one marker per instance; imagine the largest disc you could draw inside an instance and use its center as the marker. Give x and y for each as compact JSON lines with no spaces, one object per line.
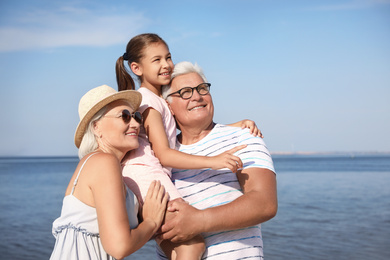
{"x":132,"y":96}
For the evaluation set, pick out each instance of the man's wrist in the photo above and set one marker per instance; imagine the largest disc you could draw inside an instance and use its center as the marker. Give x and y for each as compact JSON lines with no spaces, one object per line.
{"x":203,"y":222}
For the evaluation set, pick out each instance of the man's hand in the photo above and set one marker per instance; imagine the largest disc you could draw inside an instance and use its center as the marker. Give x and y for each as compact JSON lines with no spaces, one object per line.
{"x":186,"y":224}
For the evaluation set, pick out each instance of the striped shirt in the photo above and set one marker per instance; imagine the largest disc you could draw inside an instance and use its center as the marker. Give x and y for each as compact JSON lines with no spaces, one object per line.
{"x":205,"y":188}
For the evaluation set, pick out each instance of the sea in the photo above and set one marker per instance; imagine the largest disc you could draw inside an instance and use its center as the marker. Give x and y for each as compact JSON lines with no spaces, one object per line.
{"x":331,"y":206}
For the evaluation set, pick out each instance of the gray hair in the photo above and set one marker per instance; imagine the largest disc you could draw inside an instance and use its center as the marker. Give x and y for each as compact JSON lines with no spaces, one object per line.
{"x":182,"y":68}
{"x":89,"y":142}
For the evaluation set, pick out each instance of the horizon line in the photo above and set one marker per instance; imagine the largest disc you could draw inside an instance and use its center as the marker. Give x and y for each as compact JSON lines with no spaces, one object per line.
{"x":272,"y":153}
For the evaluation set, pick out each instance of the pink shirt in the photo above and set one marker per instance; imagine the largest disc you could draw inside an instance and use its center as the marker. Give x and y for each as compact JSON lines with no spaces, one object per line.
{"x":144,"y":155}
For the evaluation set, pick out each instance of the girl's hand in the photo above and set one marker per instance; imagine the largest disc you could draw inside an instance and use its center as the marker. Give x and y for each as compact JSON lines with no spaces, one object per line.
{"x":227,"y":160}
{"x":246,"y":123}
{"x":155,"y":204}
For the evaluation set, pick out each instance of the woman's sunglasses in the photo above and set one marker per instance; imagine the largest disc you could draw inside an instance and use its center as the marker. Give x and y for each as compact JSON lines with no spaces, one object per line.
{"x":126,"y":116}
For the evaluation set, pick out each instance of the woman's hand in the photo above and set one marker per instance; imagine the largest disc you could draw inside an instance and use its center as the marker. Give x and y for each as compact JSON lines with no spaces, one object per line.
{"x":155,"y":204}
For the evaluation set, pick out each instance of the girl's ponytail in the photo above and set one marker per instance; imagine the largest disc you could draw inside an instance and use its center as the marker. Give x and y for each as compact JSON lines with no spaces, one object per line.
{"x":123,"y":78}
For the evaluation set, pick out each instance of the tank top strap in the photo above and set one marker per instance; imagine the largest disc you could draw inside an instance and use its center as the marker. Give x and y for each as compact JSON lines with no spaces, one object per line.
{"x":78,"y":174}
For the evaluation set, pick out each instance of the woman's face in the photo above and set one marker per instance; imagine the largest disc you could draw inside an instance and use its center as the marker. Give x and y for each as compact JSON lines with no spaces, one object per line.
{"x":113,"y":133}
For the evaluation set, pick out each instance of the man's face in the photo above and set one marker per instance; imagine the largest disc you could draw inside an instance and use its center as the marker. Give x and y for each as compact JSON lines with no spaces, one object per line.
{"x":194,"y":112}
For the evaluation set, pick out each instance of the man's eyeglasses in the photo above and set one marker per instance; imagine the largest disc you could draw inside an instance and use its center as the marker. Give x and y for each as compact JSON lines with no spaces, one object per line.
{"x":126,"y":116}
{"x":186,"y":93}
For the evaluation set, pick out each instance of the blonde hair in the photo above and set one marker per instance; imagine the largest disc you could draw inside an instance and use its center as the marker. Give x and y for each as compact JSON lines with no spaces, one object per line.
{"x":89,"y":142}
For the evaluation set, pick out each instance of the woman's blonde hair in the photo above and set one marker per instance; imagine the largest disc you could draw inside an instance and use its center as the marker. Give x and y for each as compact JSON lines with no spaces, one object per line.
{"x":89,"y":142}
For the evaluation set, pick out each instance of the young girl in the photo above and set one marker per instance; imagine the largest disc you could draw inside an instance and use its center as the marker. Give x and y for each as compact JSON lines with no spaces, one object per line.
{"x":149,"y":59}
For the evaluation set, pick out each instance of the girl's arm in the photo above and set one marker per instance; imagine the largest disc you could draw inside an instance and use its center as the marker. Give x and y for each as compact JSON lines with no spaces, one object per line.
{"x":172,"y":158}
{"x":109,"y":196}
{"x":246,"y":123}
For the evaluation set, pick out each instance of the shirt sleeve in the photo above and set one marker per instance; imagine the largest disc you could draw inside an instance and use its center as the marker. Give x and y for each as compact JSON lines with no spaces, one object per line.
{"x":256,"y":154}
{"x":149,"y":99}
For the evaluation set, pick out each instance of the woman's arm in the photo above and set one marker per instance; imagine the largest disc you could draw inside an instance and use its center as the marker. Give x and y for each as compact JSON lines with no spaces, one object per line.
{"x":109,"y":196}
{"x":172,"y":158}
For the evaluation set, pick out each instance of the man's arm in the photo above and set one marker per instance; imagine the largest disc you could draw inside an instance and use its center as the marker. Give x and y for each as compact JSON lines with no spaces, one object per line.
{"x":257,"y":205}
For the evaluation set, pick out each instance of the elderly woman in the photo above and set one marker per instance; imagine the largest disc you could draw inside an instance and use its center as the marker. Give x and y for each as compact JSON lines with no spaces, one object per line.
{"x":99,"y":213}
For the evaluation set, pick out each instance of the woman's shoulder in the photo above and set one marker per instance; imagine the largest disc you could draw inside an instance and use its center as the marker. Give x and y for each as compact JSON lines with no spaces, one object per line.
{"x":96,"y":157}
{"x":101,"y":163}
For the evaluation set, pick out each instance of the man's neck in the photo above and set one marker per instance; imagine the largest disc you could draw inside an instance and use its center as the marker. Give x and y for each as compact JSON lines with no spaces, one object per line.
{"x":193,"y":135}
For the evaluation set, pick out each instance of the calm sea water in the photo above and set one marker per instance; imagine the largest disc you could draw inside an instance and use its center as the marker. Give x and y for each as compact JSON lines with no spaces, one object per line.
{"x":330,"y":207}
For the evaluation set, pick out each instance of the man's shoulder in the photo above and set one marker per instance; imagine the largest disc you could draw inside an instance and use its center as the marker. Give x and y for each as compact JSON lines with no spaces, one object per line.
{"x":232,"y":129}
{"x":235,"y":131}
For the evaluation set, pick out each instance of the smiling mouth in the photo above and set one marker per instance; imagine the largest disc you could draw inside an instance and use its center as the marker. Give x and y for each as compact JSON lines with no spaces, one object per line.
{"x":197,"y":107}
{"x":132,"y":134}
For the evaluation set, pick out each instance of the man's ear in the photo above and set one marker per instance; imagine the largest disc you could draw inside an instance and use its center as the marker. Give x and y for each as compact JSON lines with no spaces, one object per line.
{"x":136,"y":69}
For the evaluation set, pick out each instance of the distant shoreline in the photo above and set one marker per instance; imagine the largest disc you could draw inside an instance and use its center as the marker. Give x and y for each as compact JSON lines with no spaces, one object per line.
{"x":71,"y":157}
{"x":332,"y":153}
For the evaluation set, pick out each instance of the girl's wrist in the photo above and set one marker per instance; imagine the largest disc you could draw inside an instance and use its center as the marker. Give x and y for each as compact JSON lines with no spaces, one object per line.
{"x":210,"y":161}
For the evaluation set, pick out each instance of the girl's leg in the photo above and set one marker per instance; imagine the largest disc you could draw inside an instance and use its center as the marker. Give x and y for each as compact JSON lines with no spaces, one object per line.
{"x":138,"y":179}
{"x":192,"y":249}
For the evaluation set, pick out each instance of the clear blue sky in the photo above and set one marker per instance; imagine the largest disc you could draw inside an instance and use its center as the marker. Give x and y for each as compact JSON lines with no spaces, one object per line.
{"x":314,"y":75}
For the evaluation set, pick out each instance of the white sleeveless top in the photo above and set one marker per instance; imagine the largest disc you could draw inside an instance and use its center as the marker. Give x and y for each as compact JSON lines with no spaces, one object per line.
{"x":77,"y":231}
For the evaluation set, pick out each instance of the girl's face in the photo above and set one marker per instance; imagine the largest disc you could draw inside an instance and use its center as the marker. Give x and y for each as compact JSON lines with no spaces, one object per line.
{"x":155,"y":67}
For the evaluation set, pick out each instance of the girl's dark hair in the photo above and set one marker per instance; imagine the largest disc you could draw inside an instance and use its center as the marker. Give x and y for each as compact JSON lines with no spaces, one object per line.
{"x":134,"y":53}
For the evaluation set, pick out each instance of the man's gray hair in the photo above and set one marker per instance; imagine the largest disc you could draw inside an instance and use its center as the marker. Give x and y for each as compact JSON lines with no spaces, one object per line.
{"x":182,"y":68}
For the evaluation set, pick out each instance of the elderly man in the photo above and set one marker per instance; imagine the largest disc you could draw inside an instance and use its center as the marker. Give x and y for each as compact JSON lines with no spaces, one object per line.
{"x":224,"y":207}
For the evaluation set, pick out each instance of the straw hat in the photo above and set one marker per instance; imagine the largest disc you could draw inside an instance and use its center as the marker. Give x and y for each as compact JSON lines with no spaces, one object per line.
{"x":96,"y":99}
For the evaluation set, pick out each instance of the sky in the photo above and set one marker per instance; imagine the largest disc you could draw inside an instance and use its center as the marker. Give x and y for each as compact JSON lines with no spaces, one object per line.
{"x":313,"y":74}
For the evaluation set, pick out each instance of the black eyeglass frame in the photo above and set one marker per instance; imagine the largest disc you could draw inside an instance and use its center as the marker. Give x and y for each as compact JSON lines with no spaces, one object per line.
{"x":126,"y":116}
{"x":192,"y":90}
